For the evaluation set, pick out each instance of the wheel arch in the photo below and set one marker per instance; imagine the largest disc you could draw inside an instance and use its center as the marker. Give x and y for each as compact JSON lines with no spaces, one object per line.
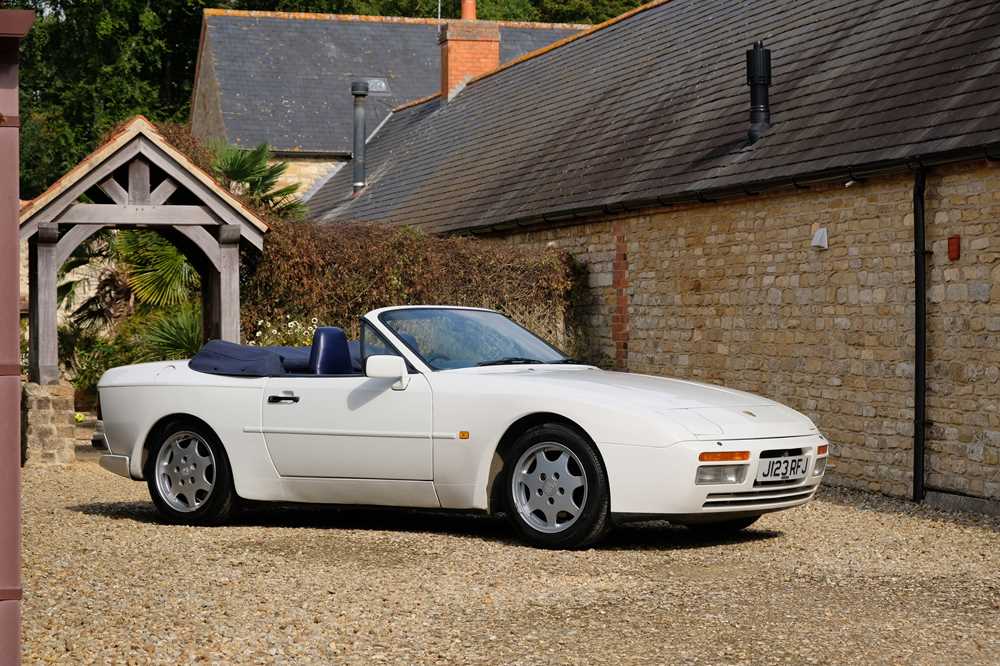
{"x":510,"y":435}
{"x":162,"y":422}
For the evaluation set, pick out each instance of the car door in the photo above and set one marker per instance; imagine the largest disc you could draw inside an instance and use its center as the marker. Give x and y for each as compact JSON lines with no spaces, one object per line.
{"x":349,"y":426}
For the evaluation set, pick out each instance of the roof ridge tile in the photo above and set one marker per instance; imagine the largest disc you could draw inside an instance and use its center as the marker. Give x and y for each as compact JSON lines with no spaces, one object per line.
{"x":373,"y":18}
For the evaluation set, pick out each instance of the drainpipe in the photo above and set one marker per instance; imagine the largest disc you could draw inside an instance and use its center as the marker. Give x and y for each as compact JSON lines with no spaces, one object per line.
{"x":920,"y":331}
{"x":360,"y":90}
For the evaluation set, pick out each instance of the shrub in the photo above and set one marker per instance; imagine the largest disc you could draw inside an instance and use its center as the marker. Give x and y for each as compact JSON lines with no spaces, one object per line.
{"x":334,"y":273}
{"x":155,"y":335}
{"x":173,"y":335}
{"x":93,"y":356}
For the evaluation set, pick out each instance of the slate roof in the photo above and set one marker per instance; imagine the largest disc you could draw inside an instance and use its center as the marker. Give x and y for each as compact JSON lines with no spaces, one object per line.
{"x":654,"y":108}
{"x":285,"y":78}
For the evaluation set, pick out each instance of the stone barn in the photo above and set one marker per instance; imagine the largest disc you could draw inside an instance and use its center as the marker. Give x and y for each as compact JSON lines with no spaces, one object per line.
{"x":828,"y":235}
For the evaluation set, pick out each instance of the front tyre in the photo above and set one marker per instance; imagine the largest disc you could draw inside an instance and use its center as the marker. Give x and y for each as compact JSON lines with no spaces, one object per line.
{"x":556,"y":488}
{"x":188,"y":474}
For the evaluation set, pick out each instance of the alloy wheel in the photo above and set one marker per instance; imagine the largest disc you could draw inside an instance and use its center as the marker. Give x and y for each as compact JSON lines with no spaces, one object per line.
{"x":185,"y":471}
{"x":549,"y":487}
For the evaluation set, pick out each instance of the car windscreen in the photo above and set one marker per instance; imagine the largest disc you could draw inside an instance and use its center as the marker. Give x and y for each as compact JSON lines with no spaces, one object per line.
{"x":446,"y":339}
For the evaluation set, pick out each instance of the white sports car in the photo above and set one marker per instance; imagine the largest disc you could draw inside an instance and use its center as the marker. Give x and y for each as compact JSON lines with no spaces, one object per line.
{"x":455,"y":408}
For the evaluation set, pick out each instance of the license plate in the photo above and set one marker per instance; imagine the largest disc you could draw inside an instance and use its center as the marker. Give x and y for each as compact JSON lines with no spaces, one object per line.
{"x":782,"y":469}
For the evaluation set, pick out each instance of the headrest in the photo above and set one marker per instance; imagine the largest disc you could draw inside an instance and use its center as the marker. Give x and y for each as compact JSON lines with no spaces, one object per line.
{"x":330,"y":354}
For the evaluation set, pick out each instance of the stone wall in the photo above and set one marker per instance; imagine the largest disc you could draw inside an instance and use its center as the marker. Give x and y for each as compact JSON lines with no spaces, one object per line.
{"x":733,"y":293}
{"x":207,"y":122}
{"x":48,"y":430}
{"x":963,"y":344}
{"x":307,"y":171}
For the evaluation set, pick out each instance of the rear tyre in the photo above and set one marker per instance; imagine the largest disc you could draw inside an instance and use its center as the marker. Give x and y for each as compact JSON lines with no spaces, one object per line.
{"x":555,"y":488}
{"x":723,"y":528}
{"x":188,"y":474}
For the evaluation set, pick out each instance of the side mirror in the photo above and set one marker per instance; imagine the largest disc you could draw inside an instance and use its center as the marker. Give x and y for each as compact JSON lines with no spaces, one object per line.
{"x":388,"y":367}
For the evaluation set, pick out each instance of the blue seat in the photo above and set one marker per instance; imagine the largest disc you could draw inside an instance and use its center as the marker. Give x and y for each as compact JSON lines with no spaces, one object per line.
{"x":330,"y":354}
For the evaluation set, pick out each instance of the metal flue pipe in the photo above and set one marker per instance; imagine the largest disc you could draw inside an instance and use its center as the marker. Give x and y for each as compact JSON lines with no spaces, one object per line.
{"x":360,"y":91}
{"x":759,"y":79}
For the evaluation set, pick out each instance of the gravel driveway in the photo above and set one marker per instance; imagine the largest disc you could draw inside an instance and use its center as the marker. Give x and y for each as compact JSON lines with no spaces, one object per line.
{"x":851,"y":578}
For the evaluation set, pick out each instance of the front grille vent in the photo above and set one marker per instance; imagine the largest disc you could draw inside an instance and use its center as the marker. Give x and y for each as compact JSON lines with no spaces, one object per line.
{"x":759,"y":497}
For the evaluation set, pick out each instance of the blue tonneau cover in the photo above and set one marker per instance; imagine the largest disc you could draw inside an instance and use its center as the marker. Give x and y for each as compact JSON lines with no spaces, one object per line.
{"x":219,"y":357}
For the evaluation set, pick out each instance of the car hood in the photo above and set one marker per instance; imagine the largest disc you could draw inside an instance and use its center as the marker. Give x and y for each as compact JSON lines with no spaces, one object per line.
{"x":705,"y":410}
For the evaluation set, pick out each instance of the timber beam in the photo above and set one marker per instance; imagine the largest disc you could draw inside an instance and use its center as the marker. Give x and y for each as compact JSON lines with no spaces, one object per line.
{"x":138,"y":215}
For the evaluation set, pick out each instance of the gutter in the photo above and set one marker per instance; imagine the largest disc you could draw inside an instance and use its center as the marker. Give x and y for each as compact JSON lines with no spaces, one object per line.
{"x":324,"y":154}
{"x":920,"y":253}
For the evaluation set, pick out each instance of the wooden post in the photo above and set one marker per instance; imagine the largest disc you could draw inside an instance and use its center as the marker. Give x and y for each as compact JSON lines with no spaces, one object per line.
{"x":43,"y":330}
{"x":229,"y":283}
{"x":210,"y":303}
{"x":14,"y":25}
{"x":220,"y":288}
{"x":138,"y":182}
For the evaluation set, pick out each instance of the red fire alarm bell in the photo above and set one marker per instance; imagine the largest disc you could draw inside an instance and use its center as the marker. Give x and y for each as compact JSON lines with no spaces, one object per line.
{"x":954,"y":247}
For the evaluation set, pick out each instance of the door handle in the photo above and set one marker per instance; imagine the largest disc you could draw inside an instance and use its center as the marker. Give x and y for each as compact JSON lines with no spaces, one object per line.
{"x":276,"y":399}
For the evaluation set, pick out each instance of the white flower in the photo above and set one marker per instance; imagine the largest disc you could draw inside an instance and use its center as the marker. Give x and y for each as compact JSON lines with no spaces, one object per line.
{"x":258,"y":334}
{"x":315,"y":320}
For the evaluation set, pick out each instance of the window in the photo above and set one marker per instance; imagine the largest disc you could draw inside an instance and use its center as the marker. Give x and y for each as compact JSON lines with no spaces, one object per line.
{"x":374,"y":344}
{"x":448,"y":338}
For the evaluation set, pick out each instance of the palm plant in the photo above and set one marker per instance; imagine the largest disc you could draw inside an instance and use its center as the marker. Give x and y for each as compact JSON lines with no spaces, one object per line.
{"x":111,"y":301}
{"x":158,"y":273}
{"x":251,"y":173}
{"x":93,"y":251}
{"x":173,"y":335}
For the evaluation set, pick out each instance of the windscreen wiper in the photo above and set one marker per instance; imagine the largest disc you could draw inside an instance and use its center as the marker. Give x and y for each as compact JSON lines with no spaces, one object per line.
{"x":511,"y":360}
{"x":567,"y":361}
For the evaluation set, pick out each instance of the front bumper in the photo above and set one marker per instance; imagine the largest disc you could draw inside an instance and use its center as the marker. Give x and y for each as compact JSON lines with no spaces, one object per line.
{"x":660,"y":481}
{"x":116,"y":464}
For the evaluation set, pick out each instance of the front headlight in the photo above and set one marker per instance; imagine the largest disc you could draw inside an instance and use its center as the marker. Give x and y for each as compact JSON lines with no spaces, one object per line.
{"x":820,"y":467}
{"x":717,"y":474}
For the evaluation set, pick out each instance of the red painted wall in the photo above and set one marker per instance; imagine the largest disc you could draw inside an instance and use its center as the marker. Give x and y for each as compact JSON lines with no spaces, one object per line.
{"x":13,"y":26}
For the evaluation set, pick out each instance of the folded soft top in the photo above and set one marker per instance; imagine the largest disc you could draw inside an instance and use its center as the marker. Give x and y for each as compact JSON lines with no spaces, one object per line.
{"x":219,"y":357}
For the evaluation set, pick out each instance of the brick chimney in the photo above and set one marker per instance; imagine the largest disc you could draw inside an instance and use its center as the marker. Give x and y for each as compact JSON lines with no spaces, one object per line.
{"x":468,"y":48}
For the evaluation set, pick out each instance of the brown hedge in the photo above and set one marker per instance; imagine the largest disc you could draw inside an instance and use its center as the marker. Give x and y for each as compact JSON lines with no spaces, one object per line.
{"x":338,"y":272}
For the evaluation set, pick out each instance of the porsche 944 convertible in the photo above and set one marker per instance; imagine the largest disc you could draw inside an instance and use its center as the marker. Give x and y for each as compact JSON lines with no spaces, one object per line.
{"x":453,"y":408}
